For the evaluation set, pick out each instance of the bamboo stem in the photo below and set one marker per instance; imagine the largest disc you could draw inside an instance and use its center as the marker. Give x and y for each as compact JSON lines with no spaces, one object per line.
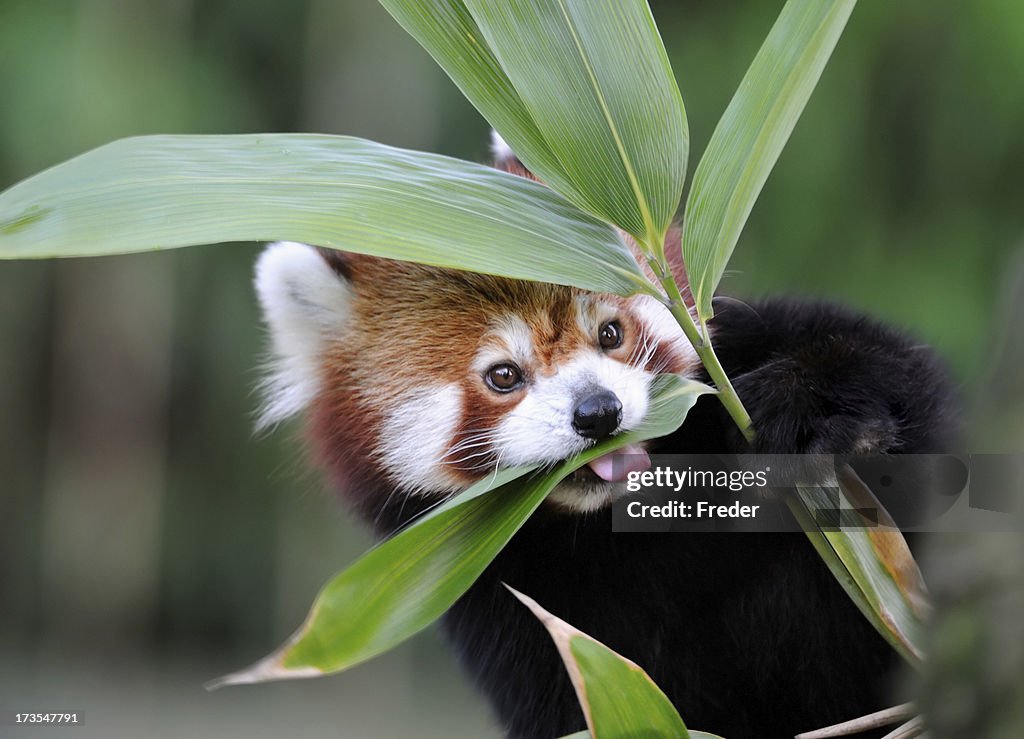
{"x":702,"y":345}
{"x":875,"y":720}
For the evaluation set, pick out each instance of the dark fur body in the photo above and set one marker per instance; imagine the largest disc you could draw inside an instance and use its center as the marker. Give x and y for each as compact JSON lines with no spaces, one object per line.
{"x":748,"y":634}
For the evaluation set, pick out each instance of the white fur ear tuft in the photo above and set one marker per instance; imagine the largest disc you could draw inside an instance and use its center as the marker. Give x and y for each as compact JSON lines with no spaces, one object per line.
{"x":305,"y":302}
{"x":500,"y":149}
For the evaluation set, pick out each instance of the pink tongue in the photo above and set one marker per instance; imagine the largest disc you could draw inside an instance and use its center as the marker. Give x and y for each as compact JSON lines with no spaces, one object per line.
{"x":616,"y":466}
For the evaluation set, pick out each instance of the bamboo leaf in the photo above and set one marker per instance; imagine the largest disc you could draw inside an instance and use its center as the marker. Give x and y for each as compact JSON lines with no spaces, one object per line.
{"x":751,"y":134}
{"x":448,"y":32}
{"x":888,"y":546}
{"x":693,"y":735}
{"x":873,"y":563}
{"x":618,"y":698}
{"x":160,"y":192}
{"x":581,"y":90}
{"x":405,"y":583}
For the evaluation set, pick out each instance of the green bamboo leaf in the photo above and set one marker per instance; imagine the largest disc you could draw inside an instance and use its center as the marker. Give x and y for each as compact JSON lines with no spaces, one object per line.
{"x":597,"y":82}
{"x":581,"y":90}
{"x":693,"y":735}
{"x":446,"y":29}
{"x":618,"y":698}
{"x":405,"y":583}
{"x":805,"y":517}
{"x":888,"y":546}
{"x":873,"y":563}
{"x":751,"y":134}
{"x":159,"y":192}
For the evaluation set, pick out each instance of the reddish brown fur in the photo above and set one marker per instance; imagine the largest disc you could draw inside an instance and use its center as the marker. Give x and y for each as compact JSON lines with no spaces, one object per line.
{"x":415,"y":325}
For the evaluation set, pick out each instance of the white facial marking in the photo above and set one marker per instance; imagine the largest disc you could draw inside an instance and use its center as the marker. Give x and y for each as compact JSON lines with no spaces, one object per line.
{"x":415,"y":437}
{"x":661,"y":326}
{"x":304,"y":303}
{"x":592,"y":313}
{"x":508,"y":340}
{"x":584,"y":497}
{"x":499,"y":148}
{"x":539,"y":428}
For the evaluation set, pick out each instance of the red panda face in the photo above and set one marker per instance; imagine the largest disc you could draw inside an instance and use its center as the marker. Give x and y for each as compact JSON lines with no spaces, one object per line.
{"x":431,"y":379}
{"x":547,"y":382}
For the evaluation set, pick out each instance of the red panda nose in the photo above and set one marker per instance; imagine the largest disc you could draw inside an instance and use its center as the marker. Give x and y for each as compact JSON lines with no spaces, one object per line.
{"x":597,"y":416}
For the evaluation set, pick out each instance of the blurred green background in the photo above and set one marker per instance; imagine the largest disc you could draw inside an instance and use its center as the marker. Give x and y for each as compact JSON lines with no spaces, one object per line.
{"x":148,"y":541}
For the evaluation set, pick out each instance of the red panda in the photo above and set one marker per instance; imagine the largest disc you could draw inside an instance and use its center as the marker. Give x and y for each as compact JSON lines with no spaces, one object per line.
{"x":431,"y":378}
{"x":417,"y":381}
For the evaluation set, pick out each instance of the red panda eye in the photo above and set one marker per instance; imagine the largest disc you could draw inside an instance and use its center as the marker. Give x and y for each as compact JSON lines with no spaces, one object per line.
{"x":504,"y":377}
{"x":610,"y":336}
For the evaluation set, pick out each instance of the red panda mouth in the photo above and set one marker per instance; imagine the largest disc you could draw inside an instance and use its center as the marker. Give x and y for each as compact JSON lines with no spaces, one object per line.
{"x":616,"y":466}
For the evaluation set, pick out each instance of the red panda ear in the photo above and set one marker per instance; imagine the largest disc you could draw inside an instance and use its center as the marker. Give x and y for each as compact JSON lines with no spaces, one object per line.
{"x":306,"y":300}
{"x":338,"y":261}
{"x":506,"y":160}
